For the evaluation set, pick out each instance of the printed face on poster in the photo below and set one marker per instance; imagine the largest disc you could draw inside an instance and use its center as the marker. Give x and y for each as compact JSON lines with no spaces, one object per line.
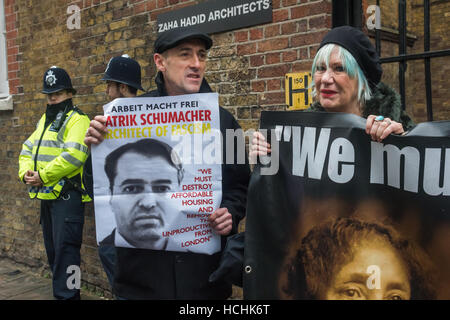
{"x":157,"y":174}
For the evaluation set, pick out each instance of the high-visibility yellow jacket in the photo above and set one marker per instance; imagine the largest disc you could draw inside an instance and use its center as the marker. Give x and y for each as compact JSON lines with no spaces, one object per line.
{"x":55,"y":154}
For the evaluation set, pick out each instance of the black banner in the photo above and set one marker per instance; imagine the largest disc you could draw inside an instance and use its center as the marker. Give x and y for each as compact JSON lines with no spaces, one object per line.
{"x":217,"y":16}
{"x":333,"y":215}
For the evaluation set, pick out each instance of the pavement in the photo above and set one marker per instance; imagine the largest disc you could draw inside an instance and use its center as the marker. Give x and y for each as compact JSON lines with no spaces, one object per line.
{"x":17,"y":283}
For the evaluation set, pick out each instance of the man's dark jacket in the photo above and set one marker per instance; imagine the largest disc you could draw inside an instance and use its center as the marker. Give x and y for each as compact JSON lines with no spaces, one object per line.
{"x":153,"y":274}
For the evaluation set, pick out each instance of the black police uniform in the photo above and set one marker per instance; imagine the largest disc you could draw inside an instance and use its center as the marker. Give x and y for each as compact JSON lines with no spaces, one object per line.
{"x":154,"y":274}
{"x":124,"y":70}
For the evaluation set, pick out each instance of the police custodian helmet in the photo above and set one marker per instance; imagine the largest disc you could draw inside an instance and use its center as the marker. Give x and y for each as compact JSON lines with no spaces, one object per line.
{"x":124,"y":70}
{"x":57,"y":79}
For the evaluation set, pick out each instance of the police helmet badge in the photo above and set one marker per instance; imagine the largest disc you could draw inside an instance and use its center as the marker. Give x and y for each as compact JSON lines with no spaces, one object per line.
{"x":50,"y":78}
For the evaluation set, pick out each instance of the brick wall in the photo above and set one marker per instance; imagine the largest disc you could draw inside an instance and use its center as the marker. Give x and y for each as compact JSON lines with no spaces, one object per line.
{"x":248,"y":66}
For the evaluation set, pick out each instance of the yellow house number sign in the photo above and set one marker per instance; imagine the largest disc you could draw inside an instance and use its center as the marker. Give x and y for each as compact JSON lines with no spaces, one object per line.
{"x":298,"y":90}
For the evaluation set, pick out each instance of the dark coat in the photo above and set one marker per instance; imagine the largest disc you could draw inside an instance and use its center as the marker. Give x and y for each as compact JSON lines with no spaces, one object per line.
{"x":386,"y":102}
{"x":153,"y":274}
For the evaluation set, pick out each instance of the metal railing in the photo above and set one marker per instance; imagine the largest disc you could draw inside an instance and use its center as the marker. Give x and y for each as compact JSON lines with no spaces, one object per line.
{"x":403,"y":57}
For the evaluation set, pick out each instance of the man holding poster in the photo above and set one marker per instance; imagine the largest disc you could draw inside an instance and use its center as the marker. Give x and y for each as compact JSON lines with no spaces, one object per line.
{"x":180,"y":57}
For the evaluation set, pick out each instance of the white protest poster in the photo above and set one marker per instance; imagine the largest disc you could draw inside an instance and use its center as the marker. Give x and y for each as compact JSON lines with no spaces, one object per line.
{"x":157,"y":174}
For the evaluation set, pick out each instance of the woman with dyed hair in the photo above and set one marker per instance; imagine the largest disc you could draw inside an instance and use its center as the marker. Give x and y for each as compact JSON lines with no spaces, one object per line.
{"x":346,"y":78}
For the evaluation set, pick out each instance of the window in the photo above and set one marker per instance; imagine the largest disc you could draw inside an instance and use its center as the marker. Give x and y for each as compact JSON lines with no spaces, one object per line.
{"x":417,"y":17}
{"x":5,"y":98}
{"x":4,"y":90}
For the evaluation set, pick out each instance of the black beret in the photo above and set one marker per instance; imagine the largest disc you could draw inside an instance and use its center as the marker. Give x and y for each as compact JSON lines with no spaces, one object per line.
{"x":359,"y":45}
{"x":173,"y":37}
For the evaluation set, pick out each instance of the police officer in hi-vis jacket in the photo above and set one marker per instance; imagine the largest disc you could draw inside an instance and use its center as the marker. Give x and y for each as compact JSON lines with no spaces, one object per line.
{"x":51,"y":165}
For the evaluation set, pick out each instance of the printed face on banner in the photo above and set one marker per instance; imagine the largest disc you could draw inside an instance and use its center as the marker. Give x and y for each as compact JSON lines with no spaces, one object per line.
{"x":390,"y":275}
{"x":141,"y":199}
